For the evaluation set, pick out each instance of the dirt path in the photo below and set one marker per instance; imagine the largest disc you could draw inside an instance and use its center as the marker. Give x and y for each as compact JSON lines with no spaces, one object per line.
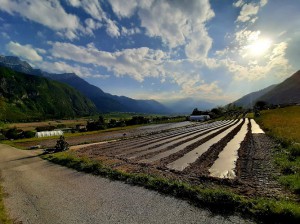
{"x":41,"y":192}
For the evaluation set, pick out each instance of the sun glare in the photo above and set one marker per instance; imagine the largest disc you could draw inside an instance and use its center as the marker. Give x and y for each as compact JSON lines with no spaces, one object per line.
{"x":259,"y":47}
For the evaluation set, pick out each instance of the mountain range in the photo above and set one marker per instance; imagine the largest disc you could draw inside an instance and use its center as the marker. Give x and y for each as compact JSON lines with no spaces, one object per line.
{"x":26,"y":97}
{"x":104,"y":102}
{"x":286,"y":92}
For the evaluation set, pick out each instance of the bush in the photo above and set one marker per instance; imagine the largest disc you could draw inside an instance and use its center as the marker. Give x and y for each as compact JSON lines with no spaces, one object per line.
{"x":28,"y":134}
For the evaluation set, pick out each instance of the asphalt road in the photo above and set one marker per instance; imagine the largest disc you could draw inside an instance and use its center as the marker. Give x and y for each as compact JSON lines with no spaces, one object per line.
{"x":41,"y":192}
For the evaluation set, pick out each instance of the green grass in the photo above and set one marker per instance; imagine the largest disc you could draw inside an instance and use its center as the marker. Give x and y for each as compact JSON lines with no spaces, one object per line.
{"x":283,"y":125}
{"x":215,"y":199}
{"x":250,"y":115}
{"x":4,"y":219}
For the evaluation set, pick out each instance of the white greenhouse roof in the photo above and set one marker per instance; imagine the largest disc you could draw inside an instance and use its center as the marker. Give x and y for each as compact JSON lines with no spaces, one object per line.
{"x":48,"y":133}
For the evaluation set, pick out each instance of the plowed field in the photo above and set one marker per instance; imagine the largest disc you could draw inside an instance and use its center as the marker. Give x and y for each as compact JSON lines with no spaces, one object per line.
{"x":231,"y":153}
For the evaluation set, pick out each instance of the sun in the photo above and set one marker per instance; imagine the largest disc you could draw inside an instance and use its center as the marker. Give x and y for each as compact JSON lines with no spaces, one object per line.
{"x":259,"y":47}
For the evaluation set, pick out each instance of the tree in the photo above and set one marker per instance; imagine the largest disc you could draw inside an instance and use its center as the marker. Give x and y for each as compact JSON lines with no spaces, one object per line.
{"x":260,"y":105}
{"x":196,"y":112}
{"x":101,"y":120}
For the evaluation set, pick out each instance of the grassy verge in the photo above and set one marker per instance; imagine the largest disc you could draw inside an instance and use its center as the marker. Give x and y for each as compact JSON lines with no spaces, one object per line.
{"x":250,"y":115}
{"x":218,"y":200}
{"x":3,"y":215}
{"x":283,"y":125}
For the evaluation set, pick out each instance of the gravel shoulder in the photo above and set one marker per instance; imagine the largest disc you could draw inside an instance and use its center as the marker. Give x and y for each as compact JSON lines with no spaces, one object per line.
{"x":41,"y":192}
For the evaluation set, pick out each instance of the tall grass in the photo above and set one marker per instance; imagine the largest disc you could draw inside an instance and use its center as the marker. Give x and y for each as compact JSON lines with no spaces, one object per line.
{"x":283,"y":124}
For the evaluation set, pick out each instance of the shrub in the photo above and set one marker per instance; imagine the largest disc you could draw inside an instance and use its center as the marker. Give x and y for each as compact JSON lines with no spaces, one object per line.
{"x":28,"y":134}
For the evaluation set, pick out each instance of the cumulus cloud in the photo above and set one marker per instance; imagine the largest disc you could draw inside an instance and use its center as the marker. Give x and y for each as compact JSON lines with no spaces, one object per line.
{"x":48,"y":13}
{"x":112,"y":29}
{"x":91,"y":25}
{"x":63,"y":67}
{"x":131,"y":31}
{"x":249,"y":11}
{"x":177,"y":23}
{"x":238,"y":3}
{"x":24,"y":51}
{"x":94,"y":9}
{"x":139,"y":63}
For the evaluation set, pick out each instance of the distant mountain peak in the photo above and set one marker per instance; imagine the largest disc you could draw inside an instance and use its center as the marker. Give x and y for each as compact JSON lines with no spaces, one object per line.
{"x":104,"y":102}
{"x":286,"y":92}
{"x":15,"y":63}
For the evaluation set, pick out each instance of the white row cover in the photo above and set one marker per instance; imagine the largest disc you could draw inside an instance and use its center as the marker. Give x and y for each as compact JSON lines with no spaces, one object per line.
{"x":48,"y":133}
{"x":199,"y":117}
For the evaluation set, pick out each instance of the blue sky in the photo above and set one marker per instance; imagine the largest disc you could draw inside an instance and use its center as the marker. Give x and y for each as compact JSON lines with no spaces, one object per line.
{"x":165,"y":50}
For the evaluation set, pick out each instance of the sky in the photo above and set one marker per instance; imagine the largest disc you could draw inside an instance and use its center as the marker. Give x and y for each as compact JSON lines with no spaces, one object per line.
{"x":217,"y":50}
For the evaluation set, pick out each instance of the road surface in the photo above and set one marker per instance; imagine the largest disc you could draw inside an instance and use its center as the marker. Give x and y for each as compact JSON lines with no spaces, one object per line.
{"x":42,"y":192}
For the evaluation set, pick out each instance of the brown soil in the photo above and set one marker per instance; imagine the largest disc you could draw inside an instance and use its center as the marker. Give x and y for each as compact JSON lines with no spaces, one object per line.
{"x":109,"y":135}
{"x":254,"y":168}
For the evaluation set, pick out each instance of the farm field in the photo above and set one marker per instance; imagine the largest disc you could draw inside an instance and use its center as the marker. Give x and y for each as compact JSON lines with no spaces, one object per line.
{"x":219,"y":163}
{"x":102,"y":135}
{"x":282,"y":123}
{"x":226,"y":153}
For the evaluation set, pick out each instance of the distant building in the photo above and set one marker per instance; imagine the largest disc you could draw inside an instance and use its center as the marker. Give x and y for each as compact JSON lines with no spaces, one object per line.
{"x":199,"y":117}
{"x":41,"y":134}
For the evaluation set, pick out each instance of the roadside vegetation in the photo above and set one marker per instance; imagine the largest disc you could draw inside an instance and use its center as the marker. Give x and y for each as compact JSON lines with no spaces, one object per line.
{"x":283,"y":124}
{"x":4,"y":219}
{"x":216,"y":199}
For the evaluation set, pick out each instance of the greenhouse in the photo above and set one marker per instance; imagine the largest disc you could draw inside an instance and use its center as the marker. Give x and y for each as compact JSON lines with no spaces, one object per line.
{"x":48,"y":133}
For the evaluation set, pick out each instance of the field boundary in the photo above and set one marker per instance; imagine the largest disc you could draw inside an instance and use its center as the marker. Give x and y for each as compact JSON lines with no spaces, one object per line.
{"x":216,"y":200}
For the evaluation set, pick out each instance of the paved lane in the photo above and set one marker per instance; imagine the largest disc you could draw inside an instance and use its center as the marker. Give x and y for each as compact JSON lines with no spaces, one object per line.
{"x":41,"y":192}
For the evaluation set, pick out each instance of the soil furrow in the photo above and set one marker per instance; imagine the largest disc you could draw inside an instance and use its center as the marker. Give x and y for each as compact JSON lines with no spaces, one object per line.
{"x":206,"y":160}
{"x":169,"y":143}
{"x":163,"y":162}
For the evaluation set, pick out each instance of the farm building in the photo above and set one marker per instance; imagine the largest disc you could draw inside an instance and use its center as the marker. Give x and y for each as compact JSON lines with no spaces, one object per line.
{"x":48,"y":133}
{"x":199,"y":117}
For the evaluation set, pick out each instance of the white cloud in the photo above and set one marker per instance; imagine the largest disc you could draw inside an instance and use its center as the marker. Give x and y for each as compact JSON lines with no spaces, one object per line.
{"x":273,"y":63}
{"x":131,"y":31}
{"x":263,"y":2}
{"x":248,"y":12}
{"x":24,"y":51}
{"x":48,"y":13}
{"x":177,"y":23}
{"x":112,"y":29}
{"x":137,"y":63}
{"x":140,"y":63}
{"x":74,"y":3}
{"x":62,"y":67}
{"x":41,"y":51}
{"x":91,"y":25}
{"x":124,"y":10}
{"x":239,"y":3}
{"x":94,"y":9}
